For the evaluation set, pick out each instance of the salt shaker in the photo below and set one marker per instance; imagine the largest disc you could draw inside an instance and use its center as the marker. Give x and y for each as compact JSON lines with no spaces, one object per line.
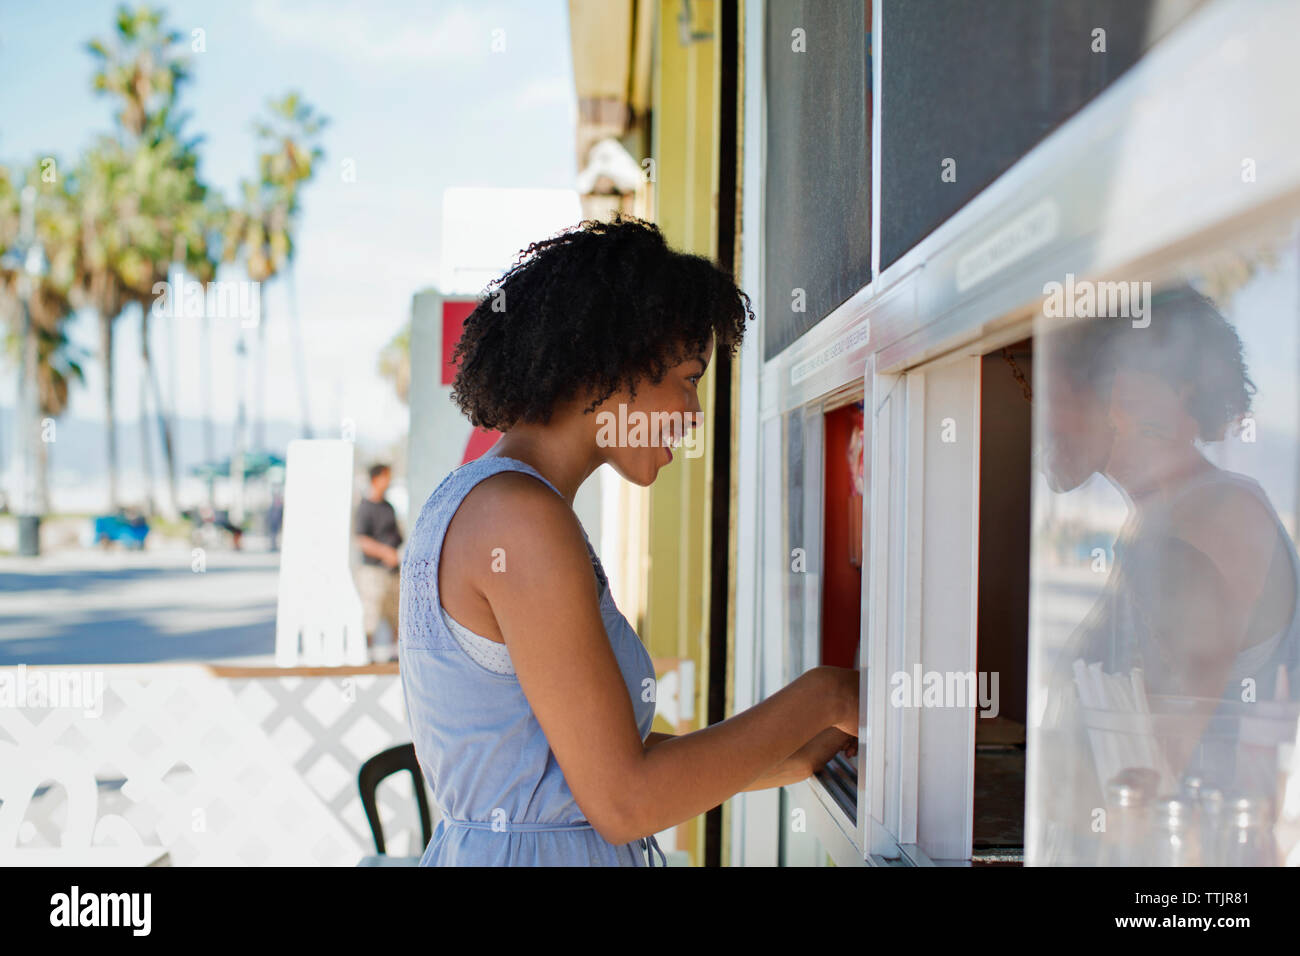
{"x":1173,"y":839}
{"x":1128,"y":796}
{"x":1212,"y":805}
{"x":1191,"y":787}
{"x":1246,"y":834}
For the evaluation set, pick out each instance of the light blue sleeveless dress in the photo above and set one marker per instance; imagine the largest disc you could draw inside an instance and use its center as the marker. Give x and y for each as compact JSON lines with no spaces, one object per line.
{"x":503,"y":797}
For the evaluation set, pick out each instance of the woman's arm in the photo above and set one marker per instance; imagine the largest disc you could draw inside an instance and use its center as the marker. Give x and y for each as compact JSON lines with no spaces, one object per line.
{"x":807,"y":760}
{"x":800,"y":765}
{"x":684,"y":776}
{"x":1199,"y":627}
{"x":375,"y":549}
{"x":1209,"y":580}
{"x":546,"y":605}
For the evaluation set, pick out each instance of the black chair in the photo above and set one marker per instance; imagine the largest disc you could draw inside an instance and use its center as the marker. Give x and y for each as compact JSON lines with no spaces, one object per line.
{"x":383,"y":765}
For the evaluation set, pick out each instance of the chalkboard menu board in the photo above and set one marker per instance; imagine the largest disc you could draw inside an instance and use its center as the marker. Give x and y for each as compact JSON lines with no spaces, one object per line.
{"x":968,"y":87}
{"x":817,"y":195}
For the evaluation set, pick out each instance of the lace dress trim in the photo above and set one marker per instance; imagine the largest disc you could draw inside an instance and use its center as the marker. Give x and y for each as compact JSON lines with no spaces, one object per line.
{"x":487,"y":653}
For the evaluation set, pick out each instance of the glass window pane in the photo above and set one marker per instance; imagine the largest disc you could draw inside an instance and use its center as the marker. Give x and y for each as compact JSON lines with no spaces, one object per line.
{"x":1165,"y":644}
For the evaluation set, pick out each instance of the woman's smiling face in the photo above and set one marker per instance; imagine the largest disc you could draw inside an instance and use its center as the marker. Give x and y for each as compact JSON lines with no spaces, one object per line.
{"x":637,"y":433}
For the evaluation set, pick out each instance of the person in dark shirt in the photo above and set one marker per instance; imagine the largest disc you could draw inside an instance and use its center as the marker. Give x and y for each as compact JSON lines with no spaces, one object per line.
{"x":379,"y":537}
{"x":275,"y":520}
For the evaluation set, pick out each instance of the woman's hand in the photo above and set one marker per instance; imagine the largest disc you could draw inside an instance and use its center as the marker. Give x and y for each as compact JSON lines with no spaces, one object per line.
{"x":842,"y":683}
{"x":842,"y":736}
{"x":818,"y":752}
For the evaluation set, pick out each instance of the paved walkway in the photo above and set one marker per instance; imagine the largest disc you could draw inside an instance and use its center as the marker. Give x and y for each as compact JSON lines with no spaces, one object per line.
{"x":93,"y":607}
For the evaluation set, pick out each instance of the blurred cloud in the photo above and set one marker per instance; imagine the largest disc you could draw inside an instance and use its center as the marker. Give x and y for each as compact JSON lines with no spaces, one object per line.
{"x":359,"y":33}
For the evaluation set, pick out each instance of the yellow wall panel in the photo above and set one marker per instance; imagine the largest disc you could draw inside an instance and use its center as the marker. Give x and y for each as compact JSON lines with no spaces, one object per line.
{"x":685,"y":143}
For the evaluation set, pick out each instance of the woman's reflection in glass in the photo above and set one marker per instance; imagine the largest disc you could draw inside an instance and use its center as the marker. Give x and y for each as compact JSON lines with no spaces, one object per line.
{"x":1202,"y":594}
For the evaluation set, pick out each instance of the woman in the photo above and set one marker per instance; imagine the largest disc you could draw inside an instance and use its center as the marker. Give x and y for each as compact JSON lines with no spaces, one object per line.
{"x":530,"y":697}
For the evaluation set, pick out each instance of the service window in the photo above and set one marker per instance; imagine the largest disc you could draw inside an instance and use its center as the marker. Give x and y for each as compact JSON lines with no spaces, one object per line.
{"x":949,"y":605}
{"x":814,"y":483}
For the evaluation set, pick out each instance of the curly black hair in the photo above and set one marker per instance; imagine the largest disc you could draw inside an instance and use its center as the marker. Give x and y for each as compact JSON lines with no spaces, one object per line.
{"x":587,"y":312}
{"x":1188,"y":344}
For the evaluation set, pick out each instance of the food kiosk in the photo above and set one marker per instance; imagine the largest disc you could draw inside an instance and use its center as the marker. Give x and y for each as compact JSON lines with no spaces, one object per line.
{"x":978,"y":236}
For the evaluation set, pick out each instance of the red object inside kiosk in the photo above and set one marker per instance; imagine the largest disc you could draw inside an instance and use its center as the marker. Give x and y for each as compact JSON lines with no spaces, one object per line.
{"x":842,"y":536}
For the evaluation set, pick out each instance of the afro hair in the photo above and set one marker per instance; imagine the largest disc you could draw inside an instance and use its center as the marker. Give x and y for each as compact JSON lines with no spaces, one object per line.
{"x":586,"y":313}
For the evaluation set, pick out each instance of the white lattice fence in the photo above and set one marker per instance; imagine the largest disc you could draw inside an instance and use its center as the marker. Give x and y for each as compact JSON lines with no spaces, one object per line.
{"x":215,"y":766}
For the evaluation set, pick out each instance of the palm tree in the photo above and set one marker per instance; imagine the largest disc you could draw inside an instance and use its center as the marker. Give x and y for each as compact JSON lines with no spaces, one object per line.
{"x":47,"y":303}
{"x":288,"y":139}
{"x":10,"y":305}
{"x":103,"y":242}
{"x":143,"y":66}
{"x":173,"y":207}
{"x":58,"y":364}
{"x":213,"y":219}
{"x":257,"y":231}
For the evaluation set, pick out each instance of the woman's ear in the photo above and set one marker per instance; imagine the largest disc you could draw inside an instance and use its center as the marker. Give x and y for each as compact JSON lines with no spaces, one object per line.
{"x":1189,"y":428}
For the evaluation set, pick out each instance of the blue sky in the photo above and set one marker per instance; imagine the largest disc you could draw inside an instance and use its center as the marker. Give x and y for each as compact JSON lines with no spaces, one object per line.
{"x":417,"y":100}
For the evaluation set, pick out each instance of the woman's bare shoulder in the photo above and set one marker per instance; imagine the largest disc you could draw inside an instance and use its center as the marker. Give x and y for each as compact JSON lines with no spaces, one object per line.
{"x":508,"y":497}
{"x":512,"y":512}
{"x":1235,"y":527}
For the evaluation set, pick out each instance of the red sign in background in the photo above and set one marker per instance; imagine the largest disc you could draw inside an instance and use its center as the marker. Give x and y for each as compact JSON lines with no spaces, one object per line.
{"x":454,"y":313}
